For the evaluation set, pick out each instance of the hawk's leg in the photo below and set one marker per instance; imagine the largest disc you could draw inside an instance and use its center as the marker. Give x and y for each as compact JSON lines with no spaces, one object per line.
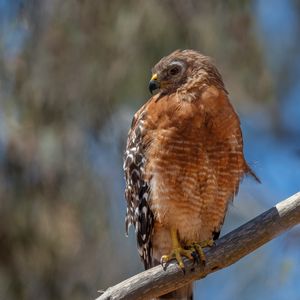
{"x":177,"y":251}
{"x":198,"y":248}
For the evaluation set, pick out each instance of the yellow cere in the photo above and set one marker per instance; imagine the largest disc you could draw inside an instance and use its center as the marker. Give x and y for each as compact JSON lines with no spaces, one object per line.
{"x":154,"y":77}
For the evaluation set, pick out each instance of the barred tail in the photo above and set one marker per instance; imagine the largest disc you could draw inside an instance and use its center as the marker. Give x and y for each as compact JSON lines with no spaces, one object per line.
{"x":251,"y":172}
{"x":184,"y":293}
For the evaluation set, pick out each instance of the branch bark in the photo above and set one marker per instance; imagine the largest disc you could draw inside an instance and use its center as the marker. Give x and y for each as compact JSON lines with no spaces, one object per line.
{"x":229,"y":249}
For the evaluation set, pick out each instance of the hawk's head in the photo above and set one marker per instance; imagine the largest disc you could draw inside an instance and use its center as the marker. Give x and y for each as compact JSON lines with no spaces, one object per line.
{"x":184,"y":69}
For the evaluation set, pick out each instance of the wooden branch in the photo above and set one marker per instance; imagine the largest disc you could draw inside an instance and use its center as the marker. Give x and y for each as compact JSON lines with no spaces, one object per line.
{"x":229,"y":249}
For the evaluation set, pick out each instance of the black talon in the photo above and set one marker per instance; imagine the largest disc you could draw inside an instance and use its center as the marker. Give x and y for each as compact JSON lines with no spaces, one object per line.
{"x":195,"y":257}
{"x":203,"y":261}
{"x":163,"y":264}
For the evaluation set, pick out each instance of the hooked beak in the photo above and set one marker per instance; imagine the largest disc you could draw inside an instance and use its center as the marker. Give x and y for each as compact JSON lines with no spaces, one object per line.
{"x":154,"y":83}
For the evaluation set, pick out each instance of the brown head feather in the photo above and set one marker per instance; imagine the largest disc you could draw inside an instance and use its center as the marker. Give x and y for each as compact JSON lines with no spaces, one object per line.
{"x":185,"y":69}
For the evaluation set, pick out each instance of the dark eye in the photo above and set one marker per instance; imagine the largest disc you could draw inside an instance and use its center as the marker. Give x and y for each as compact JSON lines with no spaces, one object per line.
{"x":174,"y":71}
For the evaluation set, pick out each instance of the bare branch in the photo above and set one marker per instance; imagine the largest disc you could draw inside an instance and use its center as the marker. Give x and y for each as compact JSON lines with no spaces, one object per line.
{"x":229,"y":249}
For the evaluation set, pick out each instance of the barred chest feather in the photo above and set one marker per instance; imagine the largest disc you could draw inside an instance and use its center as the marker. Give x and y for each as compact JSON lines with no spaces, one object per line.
{"x":195,"y":163}
{"x":183,"y":164}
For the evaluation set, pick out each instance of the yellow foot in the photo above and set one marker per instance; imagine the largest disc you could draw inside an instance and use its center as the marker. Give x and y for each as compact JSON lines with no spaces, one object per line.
{"x":177,"y":254}
{"x":197,"y":248}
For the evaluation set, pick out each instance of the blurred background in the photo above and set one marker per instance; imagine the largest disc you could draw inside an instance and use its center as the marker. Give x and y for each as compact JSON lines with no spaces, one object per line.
{"x":72,"y":74}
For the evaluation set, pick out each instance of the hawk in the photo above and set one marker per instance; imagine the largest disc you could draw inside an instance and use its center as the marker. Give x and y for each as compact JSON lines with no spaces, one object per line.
{"x":183,"y":162}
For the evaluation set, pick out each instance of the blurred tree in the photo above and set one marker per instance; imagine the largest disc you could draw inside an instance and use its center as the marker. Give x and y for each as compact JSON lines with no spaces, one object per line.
{"x":67,"y":71}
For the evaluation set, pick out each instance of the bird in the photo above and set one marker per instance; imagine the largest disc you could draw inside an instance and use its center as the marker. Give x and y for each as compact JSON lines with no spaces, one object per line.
{"x":183,"y":162}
